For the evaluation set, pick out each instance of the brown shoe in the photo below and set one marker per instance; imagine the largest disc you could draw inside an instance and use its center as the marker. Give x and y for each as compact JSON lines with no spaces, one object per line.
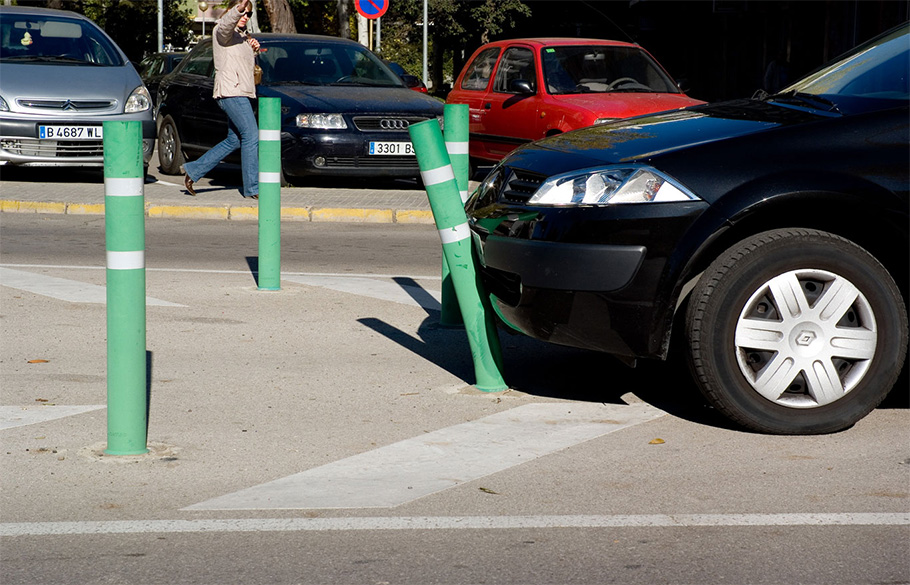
{"x":188,"y":183}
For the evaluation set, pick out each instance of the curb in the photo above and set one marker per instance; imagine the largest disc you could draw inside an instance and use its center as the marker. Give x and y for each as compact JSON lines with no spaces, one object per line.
{"x":245,"y":212}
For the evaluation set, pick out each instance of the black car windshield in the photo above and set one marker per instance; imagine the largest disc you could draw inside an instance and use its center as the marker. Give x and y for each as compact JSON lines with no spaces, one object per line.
{"x":311,"y":63}
{"x":28,"y":38}
{"x":878,"y":71}
{"x":602,"y":69}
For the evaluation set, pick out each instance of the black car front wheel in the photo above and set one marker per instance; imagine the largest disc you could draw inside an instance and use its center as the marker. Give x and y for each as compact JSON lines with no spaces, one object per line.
{"x":796,"y":331}
{"x":170,"y":149}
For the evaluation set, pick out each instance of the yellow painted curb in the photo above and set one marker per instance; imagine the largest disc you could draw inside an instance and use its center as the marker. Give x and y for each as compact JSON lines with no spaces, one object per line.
{"x":295,"y":213}
{"x":352,"y":215}
{"x":188,"y":212}
{"x":85,"y":208}
{"x":414,"y":216}
{"x":242,"y":213}
{"x":34,"y":207}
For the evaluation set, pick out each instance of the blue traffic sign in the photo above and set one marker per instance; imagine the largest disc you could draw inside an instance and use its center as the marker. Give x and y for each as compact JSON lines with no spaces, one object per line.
{"x":371,"y":8}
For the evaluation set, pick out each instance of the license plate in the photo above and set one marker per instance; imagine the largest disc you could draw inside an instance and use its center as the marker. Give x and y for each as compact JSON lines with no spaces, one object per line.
{"x":393,"y":148}
{"x":70,"y":133}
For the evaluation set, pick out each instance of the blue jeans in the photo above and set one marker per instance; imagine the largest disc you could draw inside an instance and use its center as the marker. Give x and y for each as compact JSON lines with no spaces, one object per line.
{"x":243,"y":133}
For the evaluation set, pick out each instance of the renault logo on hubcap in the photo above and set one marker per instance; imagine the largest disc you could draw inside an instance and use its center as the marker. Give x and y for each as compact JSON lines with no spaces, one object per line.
{"x":394,"y":124}
{"x":805,"y":338}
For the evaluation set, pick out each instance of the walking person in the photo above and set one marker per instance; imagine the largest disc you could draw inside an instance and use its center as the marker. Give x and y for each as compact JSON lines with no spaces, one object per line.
{"x":234,"y":53}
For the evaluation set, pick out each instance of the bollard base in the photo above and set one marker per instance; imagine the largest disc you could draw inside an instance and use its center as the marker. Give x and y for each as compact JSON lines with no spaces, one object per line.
{"x":131,"y":452}
{"x":268,"y":288}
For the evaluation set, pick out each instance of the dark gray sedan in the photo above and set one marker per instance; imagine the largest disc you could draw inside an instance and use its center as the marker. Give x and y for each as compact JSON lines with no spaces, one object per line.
{"x":343,"y":112}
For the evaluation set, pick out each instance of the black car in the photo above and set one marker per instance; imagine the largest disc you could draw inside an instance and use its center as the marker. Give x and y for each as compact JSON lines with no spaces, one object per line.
{"x":343,"y":112}
{"x":153,"y":68}
{"x":772,"y":232}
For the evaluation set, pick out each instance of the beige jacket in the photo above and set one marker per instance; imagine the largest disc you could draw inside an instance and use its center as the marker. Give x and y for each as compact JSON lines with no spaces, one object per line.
{"x":234,"y":59}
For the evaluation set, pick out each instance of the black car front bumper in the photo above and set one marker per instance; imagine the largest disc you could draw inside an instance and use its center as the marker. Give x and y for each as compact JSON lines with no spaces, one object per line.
{"x":605,"y":279}
{"x":343,"y":154}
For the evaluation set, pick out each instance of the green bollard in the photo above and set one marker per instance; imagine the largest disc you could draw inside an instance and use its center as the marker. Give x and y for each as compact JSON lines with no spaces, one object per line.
{"x":269,"y":193}
{"x":455,"y":120}
{"x":442,"y":191}
{"x":124,"y":221}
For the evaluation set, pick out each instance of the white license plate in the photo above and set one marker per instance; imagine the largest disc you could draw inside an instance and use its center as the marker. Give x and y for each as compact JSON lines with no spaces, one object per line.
{"x":393,"y":148}
{"x":70,"y":133}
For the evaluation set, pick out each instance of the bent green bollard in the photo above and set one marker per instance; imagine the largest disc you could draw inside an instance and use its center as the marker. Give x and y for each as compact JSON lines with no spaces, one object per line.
{"x":448,"y":213}
{"x":455,"y":120}
{"x":124,"y":225}
{"x":269,"y":194}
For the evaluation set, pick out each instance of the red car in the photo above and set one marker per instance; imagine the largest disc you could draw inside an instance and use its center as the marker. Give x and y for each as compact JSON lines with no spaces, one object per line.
{"x":526,"y":89}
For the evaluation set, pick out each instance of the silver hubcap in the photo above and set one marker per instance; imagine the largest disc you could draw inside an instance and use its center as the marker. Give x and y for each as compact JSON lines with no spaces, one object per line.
{"x":805,"y":338}
{"x":168,"y":143}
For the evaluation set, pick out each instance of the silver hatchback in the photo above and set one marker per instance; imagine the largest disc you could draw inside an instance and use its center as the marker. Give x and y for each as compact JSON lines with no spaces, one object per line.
{"x":61,"y":76}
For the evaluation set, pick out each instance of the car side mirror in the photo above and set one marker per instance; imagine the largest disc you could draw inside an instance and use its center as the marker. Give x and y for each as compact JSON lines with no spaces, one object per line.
{"x":683,"y":85}
{"x":521,"y":86}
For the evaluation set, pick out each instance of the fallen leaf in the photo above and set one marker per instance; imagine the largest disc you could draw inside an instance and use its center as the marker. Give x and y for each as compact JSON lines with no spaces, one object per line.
{"x":40,"y":399}
{"x":656,"y":442}
{"x":37,"y":361}
{"x":488,"y":491}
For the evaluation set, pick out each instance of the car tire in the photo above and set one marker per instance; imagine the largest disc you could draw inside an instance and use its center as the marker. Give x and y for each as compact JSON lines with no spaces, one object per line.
{"x":170,"y":148}
{"x":796,"y":331}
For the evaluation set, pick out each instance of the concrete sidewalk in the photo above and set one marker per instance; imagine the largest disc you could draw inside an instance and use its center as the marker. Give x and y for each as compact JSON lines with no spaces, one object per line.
{"x":37,"y":190}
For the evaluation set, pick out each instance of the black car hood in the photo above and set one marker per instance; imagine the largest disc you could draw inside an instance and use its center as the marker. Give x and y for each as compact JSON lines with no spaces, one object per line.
{"x":646,"y":137}
{"x":353,"y":99}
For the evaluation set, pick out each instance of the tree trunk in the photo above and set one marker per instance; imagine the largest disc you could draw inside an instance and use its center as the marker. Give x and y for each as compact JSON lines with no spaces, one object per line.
{"x":280,"y":16}
{"x":344,"y":18}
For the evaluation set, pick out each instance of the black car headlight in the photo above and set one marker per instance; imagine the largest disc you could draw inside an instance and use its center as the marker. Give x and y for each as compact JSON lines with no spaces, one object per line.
{"x":610,"y":186}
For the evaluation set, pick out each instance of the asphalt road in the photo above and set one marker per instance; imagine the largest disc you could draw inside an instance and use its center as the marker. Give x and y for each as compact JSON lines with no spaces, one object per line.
{"x":283,"y":423}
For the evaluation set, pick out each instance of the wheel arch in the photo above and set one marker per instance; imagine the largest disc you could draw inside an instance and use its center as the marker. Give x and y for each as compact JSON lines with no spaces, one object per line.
{"x":862,"y":212}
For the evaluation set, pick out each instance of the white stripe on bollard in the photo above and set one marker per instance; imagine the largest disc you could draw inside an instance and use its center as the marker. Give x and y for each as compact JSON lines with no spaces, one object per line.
{"x":132,"y":187}
{"x":269,"y":134}
{"x":265,"y":177}
{"x":457,"y":147}
{"x":125,"y":260}
{"x":437,"y":176}
{"x":455,"y":233}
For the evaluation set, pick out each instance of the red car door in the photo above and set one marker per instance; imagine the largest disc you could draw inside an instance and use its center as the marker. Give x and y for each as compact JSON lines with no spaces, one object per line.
{"x":511,"y":106}
{"x":471,"y":89}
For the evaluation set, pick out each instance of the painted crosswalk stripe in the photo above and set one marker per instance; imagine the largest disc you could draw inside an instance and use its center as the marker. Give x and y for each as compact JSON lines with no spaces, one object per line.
{"x":453,"y":523}
{"x":18,"y":416}
{"x":62,"y":289}
{"x":370,"y":287}
{"x":413,"y":468}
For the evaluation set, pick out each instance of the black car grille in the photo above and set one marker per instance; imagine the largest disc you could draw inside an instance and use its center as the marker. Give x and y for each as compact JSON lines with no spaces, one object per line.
{"x":66,"y":105}
{"x":520,"y":185}
{"x":52,"y":148}
{"x":377,"y":162}
{"x":386,"y":123}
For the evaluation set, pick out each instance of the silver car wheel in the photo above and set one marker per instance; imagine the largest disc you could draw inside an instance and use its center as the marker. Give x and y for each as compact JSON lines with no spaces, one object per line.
{"x":805,"y":338}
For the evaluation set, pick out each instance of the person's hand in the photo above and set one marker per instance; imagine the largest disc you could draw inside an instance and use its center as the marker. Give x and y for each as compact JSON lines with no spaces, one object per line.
{"x":253,"y":43}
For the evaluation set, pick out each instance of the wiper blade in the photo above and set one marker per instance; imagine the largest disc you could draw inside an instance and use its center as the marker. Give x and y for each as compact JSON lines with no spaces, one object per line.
{"x":811,"y":99}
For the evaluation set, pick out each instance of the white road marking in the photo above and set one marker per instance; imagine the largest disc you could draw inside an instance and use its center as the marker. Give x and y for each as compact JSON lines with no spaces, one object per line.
{"x":413,"y":468}
{"x":242,"y":272}
{"x":18,"y":416}
{"x":63,"y":289}
{"x":370,"y":287}
{"x":452,"y":523}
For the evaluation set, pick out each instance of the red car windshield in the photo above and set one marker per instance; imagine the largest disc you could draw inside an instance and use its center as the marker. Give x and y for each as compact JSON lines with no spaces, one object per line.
{"x":600,"y":69}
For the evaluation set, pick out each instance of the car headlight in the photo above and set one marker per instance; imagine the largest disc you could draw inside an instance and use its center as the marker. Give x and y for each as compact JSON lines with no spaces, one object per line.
{"x":610,"y":186}
{"x":4,"y":107}
{"x":321,"y":121}
{"x":139,"y":101}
